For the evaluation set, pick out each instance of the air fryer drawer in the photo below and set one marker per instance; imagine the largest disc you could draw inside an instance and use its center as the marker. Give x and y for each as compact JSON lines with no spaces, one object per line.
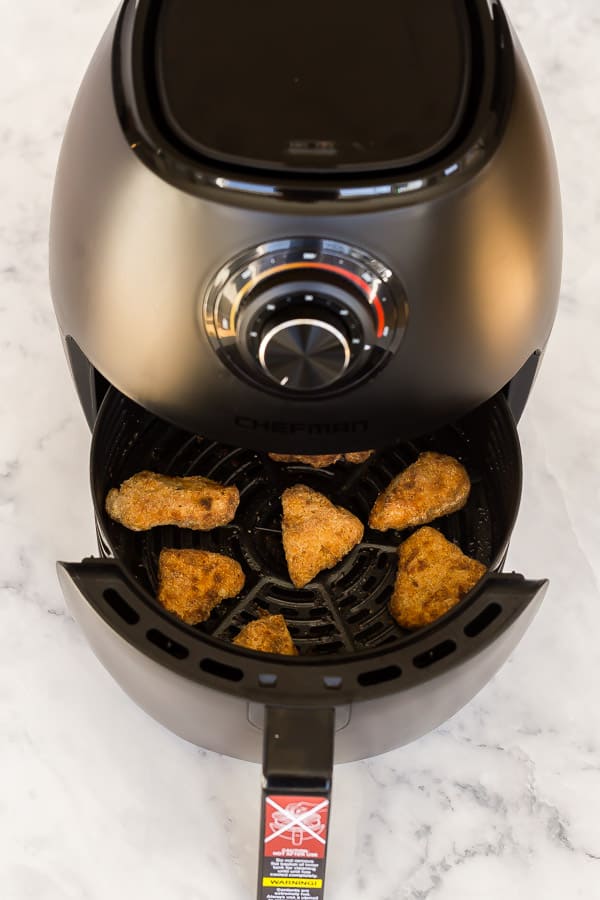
{"x":351,"y":650}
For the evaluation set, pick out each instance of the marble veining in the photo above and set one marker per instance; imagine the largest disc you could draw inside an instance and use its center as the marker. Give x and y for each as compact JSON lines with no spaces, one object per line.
{"x":96,"y":800}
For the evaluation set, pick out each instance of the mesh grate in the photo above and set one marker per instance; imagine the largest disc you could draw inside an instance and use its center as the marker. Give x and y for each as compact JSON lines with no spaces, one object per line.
{"x":345,"y":608}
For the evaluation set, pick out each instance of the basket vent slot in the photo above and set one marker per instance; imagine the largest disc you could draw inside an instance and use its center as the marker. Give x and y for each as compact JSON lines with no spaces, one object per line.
{"x":437,"y":653}
{"x":121,"y":607}
{"x":167,"y":644}
{"x":485,"y":618}
{"x":221,"y":670}
{"x":378,"y":676}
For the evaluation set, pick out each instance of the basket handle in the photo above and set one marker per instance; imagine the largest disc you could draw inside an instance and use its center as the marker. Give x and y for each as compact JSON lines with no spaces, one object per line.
{"x":297,"y":775}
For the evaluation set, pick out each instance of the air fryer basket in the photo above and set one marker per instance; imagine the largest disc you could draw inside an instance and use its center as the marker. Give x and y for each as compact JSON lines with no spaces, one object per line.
{"x":359,"y":677}
{"x":344,"y":610}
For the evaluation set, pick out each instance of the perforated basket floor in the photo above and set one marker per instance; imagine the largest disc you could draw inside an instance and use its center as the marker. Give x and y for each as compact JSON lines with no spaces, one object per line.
{"x":346,"y":608}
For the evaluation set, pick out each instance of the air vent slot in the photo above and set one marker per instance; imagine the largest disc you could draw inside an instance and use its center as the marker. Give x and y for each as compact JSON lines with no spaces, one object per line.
{"x":372,"y":631}
{"x":173,"y":648}
{"x":485,"y":618}
{"x":121,"y":607}
{"x":440,"y":651}
{"x":359,"y":617}
{"x":379,"y":676}
{"x":221,"y":670}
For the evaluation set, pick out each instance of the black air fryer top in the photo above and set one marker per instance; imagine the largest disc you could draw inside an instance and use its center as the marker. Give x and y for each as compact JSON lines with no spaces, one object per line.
{"x":339,"y":83}
{"x":328,"y":88}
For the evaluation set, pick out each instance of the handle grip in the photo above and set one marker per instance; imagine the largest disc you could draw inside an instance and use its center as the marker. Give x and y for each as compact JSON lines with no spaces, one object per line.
{"x":297,"y":775}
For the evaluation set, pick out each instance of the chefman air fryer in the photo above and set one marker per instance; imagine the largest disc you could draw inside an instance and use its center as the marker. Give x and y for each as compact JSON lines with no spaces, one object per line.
{"x":324,"y":229}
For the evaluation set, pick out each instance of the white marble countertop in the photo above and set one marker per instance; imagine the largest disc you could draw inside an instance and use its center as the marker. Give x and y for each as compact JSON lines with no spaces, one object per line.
{"x":97,"y":801}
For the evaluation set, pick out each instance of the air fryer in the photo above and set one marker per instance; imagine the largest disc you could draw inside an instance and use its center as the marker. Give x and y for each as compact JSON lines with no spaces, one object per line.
{"x":338,"y":231}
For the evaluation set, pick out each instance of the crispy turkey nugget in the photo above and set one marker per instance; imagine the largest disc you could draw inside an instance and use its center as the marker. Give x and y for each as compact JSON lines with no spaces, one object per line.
{"x":358,"y":457}
{"x":147,"y":500}
{"x":267,"y":635}
{"x":433,"y":575}
{"x":316,"y":533}
{"x":433,"y":486}
{"x":192,"y":582}
{"x":323,"y":460}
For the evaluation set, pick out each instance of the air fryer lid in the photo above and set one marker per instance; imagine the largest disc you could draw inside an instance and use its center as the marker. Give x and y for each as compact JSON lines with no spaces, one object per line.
{"x":320,"y":86}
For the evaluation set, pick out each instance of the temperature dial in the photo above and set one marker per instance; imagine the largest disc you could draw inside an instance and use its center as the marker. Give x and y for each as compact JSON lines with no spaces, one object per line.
{"x":305,"y":317}
{"x":304,"y":354}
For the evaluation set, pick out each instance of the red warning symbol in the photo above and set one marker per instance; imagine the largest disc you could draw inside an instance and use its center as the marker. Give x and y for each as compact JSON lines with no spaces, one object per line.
{"x":296,"y":826}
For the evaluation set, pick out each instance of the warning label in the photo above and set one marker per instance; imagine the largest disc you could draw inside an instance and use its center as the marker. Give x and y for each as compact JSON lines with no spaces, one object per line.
{"x":295,"y":844}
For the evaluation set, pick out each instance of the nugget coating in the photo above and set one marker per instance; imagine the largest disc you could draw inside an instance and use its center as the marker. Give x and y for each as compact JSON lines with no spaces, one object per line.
{"x":147,"y":500}
{"x":435,"y":485}
{"x":192,"y":582}
{"x":267,"y":635}
{"x":321,"y":461}
{"x":433,"y":575}
{"x":316,"y":533}
{"x":358,"y":457}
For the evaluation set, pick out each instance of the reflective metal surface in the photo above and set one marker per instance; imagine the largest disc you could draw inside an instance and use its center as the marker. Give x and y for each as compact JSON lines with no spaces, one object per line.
{"x":304,"y":354}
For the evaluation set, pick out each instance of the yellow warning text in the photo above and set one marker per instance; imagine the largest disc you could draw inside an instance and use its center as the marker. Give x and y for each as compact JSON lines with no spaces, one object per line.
{"x":293,"y":882}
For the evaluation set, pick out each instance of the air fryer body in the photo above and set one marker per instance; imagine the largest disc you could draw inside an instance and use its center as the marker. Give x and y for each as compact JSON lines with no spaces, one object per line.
{"x":474,"y":256}
{"x":304,"y":249}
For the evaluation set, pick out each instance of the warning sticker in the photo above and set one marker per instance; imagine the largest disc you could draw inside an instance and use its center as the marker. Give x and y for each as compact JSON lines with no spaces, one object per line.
{"x":295,"y":844}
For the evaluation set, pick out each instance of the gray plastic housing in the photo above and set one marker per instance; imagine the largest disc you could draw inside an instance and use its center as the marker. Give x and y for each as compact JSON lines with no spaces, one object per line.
{"x":132,"y":257}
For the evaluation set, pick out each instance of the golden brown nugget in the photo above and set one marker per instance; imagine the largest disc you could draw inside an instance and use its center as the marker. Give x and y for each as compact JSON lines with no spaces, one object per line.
{"x":359,"y":457}
{"x":433,"y":575}
{"x":321,"y":461}
{"x":192,"y":582}
{"x":147,"y":500}
{"x":267,"y":635}
{"x":435,"y":485}
{"x":316,"y":533}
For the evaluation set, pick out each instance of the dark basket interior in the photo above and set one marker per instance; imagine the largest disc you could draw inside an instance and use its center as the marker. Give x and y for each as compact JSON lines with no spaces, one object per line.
{"x":345,"y":609}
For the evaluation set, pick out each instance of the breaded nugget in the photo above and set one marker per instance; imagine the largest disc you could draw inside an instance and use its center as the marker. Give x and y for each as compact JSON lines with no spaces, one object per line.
{"x":323,"y":460}
{"x":267,"y":635}
{"x":316,"y":533}
{"x":147,"y":500}
{"x":433,"y":575}
{"x":192,"y":582}
{"x":433,"y":486}
{"x":359,"y":457}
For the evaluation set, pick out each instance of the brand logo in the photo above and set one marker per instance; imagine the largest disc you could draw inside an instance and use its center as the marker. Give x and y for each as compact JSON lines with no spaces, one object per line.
{"x":316,"y":428}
